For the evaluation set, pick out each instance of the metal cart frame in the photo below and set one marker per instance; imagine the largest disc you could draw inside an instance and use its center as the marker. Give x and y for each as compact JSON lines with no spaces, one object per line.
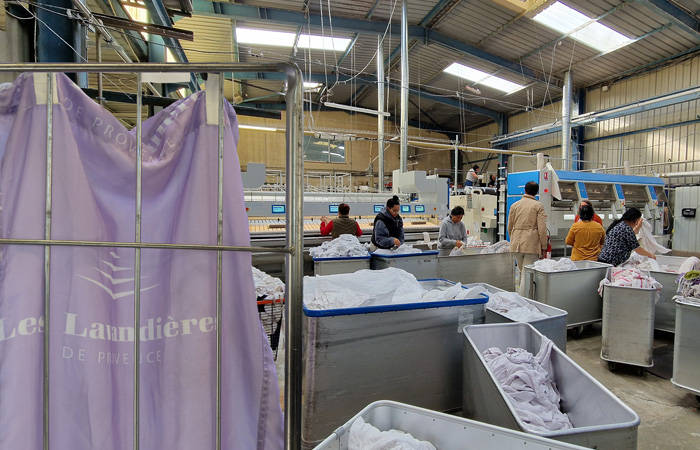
{"x":294,"y":216}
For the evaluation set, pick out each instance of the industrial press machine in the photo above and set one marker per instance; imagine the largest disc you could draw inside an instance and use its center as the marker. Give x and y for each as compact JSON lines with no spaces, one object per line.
{"x":562,"y":191}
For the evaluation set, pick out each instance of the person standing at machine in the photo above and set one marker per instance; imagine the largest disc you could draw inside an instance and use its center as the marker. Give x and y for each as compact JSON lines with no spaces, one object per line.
{"x":527,"y":228}
{"x":586,"y":236}
{"x":453,"y":233}
{"x":493,"y":182}
{"x":472,"y":176}
{"x":388,"y":226}
{"x":596,"y":217}
{"x":343,"y":224}
{"x":621,"y":239}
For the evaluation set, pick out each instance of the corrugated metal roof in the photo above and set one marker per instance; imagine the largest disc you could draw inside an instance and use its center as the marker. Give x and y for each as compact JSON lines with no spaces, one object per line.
{"x":485,"y":25}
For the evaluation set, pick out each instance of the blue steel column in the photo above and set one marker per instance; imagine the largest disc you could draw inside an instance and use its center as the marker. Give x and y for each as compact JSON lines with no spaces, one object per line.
{"x":55,"y":33}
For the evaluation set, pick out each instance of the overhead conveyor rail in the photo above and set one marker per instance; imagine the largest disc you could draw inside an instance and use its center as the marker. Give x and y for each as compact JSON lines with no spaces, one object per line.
{"x":294,"y":217}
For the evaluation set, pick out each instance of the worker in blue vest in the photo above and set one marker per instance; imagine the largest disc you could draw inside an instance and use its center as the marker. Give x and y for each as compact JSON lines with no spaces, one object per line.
{"x":388,"y":226}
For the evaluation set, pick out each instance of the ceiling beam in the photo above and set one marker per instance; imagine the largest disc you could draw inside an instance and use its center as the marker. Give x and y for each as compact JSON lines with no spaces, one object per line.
{"x":333,"y":78}
{"x":134,"y":39}
{"x":425,"y":35}
{"x":159,"y":16}
{"x":675,"y":15}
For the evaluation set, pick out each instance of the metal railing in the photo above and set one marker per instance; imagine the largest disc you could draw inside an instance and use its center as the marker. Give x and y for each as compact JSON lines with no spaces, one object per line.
{"x":292,"y":249}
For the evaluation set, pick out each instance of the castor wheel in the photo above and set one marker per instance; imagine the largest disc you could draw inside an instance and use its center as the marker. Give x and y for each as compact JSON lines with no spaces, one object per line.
{"x":697,"y":397}
{"x":612,"y":366}
{"x":577,"y":331}
{"x":640,"y":371}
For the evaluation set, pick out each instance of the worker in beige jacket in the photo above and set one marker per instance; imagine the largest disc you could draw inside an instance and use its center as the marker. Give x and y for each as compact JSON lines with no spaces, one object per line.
{"x":527,"y":227}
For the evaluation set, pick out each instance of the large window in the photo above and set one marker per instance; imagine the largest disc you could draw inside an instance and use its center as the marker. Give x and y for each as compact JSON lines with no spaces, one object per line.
{"x":323,"y":150}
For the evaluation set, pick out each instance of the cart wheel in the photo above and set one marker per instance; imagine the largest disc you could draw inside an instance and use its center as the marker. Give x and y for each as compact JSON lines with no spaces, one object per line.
{"x":697,"y":397}
{"x":577,"y":331}
{"x":612,"y":366}
{"x":640,"y":371}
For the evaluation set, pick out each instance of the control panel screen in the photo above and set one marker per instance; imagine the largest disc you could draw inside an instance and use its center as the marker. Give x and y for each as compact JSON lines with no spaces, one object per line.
{"x":378,"y":208}
{"x":420,"y":208}
{"x":333,"y":209}
{"x":405,"y":208}
{"x":278,"y":209}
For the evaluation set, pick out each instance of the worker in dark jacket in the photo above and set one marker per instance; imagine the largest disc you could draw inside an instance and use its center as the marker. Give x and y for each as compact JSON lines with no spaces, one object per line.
{"x":343,"y":224}
{"x":388,"y":226}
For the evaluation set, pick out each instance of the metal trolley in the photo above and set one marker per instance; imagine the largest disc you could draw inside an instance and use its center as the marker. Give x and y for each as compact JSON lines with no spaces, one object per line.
{"x":294,"y":217}
{"x":686,"y":348}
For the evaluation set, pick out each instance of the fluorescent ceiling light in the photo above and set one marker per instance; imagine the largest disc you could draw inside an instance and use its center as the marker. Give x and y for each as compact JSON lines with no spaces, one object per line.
{"x":356,"y":109}
{"x":567,"y":20}
{"x":286,"y":39}
{"x":483,"y":78}
{"x":256,"y":127}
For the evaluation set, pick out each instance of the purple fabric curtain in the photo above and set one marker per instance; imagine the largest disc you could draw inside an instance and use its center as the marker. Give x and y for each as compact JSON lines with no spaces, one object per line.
{"x":92,"y":289}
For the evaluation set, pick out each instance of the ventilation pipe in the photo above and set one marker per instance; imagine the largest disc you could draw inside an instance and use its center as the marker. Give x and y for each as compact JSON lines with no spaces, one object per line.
{"x":566,"y":153}
{"x":404,"y":87}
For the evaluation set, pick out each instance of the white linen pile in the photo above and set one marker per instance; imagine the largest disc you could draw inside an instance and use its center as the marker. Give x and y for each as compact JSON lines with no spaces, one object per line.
{"x":553,"y":265}
{"x":268,"y":286}
{"x":426,"y":241}
{"x":692,"y":263}
{"x":515,"y":307}
{"x":648,"y":242}
{"x":366,"y":288}
{"x":620,"y":276}
{"x":529,"y":384}
{"x":344,"y":245}
{"x":498,"y":247}
{"x":637,"y":261}
{"x":403,"y":249}
{"x":364,"y":436}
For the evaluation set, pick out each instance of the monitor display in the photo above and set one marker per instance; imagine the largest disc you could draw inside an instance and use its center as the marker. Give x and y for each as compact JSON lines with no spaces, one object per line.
{"x":378,"y":208}
{"x":420,"y":208}
{"x":405,"y":208}
{"x":278,"y":209}
{"x":333,"y":209}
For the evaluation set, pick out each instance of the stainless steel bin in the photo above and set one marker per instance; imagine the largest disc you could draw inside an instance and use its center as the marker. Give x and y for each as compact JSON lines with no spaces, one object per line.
{"x":496,"y":269}
{"x":665,"y":315}
{"x":405,"y":352}
{"x":686,"y":346}
{"x":554,"y":326}
{"x":600,"y":419}
{"x":346,"y":264}
{"x":444,"y":431}
{"x":574,"y":291}
{"x":421,"y":265}
{"x":628,"y":325}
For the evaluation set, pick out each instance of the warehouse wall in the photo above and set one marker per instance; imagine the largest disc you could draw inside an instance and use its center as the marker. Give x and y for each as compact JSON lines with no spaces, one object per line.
{"x":269,"y":147}
{"x":672,"y":142}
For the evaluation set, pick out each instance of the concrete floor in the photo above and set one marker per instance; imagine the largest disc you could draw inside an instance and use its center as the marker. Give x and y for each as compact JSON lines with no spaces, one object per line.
{"x":670,"y":418}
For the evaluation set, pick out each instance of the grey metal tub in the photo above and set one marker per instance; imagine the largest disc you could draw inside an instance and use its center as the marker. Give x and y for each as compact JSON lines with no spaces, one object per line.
{"x":346,"y":264}
{"x":628,"y":325}
{"x":686,"y":347}
{"x":496,"y":269}
{"x":444,"y":431}
{"x":421,"y":265}
{"x":600,"y":419}
{"x":574,"y":291}
{"x":554,"y":327}
{"x":352,"y":357}
{"x":665,"y":315}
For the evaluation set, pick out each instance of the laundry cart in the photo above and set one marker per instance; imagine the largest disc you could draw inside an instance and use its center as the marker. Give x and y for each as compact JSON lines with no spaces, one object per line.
{"x":686,"y":346}
{"x":628,"y":326}
{"x":404,"y":352}
{"x":444,"y":431}
{"x":665,"y":313}
{"x":345,"y":264}
{"x":600,"y":420}
{"x":422,"y":265}
{"x":496,"y":269}
{"x":574,"y":291}
{"x":554,"y":326}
